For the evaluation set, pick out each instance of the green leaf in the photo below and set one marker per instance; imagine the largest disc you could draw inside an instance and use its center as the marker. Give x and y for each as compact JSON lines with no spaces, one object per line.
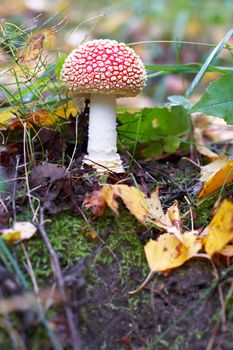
{"x":154,"y":131}
{"x":218,"y":99}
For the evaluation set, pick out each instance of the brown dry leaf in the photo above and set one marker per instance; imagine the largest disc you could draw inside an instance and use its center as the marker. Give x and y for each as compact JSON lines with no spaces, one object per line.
{"x":46,"y":173}
{"x":20,"y":231}
{"x":216,"y":175}
{"x":95,"y":201}
{"x":168,"y":252}
{"x":133,"y":199}
{"x":220,"y":231}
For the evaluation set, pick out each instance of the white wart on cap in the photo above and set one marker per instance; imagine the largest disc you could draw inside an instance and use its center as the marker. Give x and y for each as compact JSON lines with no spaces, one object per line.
{"x":103,"y":70}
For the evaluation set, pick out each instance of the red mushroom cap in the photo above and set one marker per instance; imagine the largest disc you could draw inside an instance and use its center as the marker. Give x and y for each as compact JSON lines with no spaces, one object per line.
{"x":104,"y":66}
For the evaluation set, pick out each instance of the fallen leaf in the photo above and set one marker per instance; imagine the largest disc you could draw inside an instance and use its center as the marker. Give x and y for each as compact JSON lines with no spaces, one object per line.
{"x":220,"y":230}
{"x":45,"y":174}
{"x":7,"y":115}
{"x":215,"y":175}
{"x":170,"y":222}
{"x":95,"y":201}
{"x":169,"y":252}
{"x":207,"y":171}
{"x":174,"y":215}
{"x":20,"y":231}
{"x":134,"y":200}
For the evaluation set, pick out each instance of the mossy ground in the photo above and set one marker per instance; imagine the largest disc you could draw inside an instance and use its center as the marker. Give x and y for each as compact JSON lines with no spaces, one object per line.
{"x":71,"y":239}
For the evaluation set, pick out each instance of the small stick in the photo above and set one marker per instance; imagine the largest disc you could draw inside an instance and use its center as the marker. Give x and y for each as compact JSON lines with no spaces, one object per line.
{"x":74,"y":332}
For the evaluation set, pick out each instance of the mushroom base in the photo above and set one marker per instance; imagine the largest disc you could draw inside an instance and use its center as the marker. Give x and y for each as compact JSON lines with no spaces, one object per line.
{"x":103,"y":166}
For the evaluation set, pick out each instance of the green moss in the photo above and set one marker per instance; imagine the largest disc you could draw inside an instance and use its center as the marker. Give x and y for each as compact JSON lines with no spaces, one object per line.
{"x":203,"y":211}
{"x":67,"y":235}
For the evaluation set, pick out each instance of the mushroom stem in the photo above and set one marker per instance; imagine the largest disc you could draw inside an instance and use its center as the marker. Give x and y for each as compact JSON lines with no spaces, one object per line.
{"x":102,"y":141}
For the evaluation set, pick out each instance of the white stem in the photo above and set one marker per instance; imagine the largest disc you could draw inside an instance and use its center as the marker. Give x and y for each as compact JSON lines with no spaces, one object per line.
{"x":102,"y":142}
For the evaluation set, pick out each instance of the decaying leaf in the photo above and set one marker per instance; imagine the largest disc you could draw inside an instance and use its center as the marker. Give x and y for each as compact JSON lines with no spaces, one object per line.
{"x":216,"y":175}
{"x":220,"y":231}
{"x":47,"y":173}
{"x":20,"y":231}
{"x":133,"y":199}
{"x":168,"y":252}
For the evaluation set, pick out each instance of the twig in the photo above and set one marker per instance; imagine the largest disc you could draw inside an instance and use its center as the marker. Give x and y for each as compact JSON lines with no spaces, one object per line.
{"x":74,"y":332}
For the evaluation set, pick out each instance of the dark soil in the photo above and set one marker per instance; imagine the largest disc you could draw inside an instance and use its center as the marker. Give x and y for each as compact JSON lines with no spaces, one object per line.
{"x":173,"y":312}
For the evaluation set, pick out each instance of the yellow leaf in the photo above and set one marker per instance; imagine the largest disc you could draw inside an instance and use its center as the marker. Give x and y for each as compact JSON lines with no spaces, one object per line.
{"x":169,"y":252}
{"x":66,"y":110}
{"x":20,"y":231}
{"x":133,"y":199}
{"x":220,"y":231}
{"x":220,"y":173}
{"x":6,"y":116}
{"x":155,"y":210}
{"x":174,"y":215}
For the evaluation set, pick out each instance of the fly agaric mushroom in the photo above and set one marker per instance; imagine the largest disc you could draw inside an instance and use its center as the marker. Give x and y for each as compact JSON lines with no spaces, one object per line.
{"x":103,"y":70}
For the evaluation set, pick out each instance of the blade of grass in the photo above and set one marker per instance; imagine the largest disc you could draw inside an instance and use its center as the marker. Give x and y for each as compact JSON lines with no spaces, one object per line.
{"x":213,"y":55}
{"x":187,"y":68}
